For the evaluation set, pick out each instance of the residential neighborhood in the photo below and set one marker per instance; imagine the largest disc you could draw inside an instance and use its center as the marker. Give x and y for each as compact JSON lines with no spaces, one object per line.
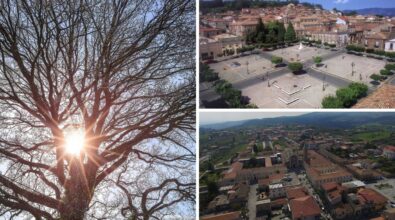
{"x":282,"y":170}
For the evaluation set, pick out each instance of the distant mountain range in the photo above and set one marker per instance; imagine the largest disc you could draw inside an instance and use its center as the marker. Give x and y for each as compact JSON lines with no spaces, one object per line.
{"x":327,"y":119}
{"x":374,"y":11}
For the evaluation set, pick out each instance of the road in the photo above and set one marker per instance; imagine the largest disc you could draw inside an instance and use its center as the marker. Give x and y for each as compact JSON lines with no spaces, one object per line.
{"x":306,"y":183}
{"x":329,"y":78}
{"x":252,"y":198}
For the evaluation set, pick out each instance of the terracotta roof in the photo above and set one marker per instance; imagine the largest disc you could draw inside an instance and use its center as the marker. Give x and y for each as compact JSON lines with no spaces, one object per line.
{"x":372,"y":196}
{"x":207,"y":29}
{"x":264,"y":182}
{"x":224,"y":216}
{"x":304,"y":207}
{"x":389,"y":148}
{"x":380,"y":35}
{"x":383,"y":97}
{"x":275,"y":177}
{"x":297,"y":192}
{"x":232,"y":172}
{"x":329,"y":186}
{"x":245,"y":22}
{"x":281,"y":201}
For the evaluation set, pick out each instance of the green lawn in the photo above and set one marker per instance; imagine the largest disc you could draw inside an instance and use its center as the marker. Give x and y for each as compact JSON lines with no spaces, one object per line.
{"x":371,"y":136}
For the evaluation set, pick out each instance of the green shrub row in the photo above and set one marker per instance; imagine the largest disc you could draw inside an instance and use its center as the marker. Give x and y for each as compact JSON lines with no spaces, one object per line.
{"x":346,"y":97}
{"x":232,"y":96}
{"x":370,"y":51}
{"x":206,"y":74}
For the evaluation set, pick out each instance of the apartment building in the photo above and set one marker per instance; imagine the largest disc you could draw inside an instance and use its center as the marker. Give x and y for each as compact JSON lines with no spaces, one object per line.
{"x":320,"y":170}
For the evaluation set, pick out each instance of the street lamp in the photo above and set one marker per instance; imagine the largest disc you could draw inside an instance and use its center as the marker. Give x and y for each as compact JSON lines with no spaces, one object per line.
{"x":352,"y":68}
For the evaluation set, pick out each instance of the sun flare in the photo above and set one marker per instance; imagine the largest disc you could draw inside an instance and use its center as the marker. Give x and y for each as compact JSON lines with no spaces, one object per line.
{"x":75,"y":141}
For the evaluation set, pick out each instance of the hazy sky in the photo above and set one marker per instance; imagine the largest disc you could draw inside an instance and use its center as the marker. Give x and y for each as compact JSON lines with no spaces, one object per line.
{"x":218,"y":117}
{"x":353,"y":4}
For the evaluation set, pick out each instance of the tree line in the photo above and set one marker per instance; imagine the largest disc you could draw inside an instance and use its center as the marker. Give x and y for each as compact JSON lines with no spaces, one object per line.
{"x":273,"y":33}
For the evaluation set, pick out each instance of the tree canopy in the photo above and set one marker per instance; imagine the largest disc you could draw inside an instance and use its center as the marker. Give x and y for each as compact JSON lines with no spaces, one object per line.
{"x":290,"y":34}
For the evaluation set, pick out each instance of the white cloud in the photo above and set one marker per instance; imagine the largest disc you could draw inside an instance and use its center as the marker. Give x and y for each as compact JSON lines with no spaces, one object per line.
{"x":341,"y":1}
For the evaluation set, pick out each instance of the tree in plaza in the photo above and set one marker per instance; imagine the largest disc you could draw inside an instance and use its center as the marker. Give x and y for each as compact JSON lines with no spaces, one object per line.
{"x":347,"y":96}
{"x":332,"y":102}
{"x":359,"y":89}
{"x":97,"y":104}
{"x":272,"y":35}
{"x":295,"y":67}
{"x":290,"y":34}
{"x":260,"y":27}
{"x":276,"y":60}
{"x":281,"y":32}
{"x":317,"y":60}
{"x":260,"y":38}
{"x":251,"y":37}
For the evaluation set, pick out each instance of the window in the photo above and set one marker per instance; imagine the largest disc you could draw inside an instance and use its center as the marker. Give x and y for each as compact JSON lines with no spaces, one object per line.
{"x":391,"y":46}
{"x":377,"y":44}
{"x":366,"y":42}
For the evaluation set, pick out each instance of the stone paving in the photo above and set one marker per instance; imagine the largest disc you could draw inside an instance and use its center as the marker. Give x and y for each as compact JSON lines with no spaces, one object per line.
{"x":236,"y":70}
{"x":289,"y":91}
{"x":291,"y":53}
{"x":364,"y":67}
{"x":294,"y":91}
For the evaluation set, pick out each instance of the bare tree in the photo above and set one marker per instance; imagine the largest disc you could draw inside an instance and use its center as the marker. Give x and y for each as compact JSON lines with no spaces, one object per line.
{"x":120,"y":71}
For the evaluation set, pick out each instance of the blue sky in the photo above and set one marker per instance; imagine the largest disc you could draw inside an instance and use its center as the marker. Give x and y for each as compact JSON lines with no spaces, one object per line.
{"x":353,"y":4}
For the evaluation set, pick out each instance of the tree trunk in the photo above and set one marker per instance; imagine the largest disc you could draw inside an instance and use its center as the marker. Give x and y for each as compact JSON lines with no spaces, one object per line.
{"x":77,"y":196}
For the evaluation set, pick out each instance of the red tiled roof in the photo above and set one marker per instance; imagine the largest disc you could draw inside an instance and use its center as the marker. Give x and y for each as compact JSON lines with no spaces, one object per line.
{"x":383,"y":97}
{"x":276,"y":177}
{"x":264,"y":182}
{"x":329,"y":186}
{"x":371,"y":195}
{"x":304,"y":207}
{"x":297,"y":192}
{"x":389,"y":148}
{"x":232,"y":172}
{"x":225,"y":216}
{"x":281,"y":201}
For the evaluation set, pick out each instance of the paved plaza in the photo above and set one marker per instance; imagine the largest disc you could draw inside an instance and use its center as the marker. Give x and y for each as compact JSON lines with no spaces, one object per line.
{"x":235,"y":70}
{"x":289,"y":91}
{"x":293,"y":54}
{"x":363,"y":67}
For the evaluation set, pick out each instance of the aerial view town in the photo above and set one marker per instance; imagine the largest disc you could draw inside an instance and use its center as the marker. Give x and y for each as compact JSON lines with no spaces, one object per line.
{"x":291,"y":54}
{"x":297,"y":166}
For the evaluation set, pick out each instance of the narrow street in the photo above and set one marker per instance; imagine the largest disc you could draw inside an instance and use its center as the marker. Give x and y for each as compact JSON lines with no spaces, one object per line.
{"x":252,"y":202}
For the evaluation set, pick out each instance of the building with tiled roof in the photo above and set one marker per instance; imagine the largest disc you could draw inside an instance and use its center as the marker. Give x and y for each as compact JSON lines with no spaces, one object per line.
{"x":333,"y":192}
{"x":209,"y":31}
{"x":243,"y":27}
{"x":320,"y":170}
{"x":383,"y":97}
{"x":297,"y":192}
{"x":389,"y":152}
{"x":230,"y":175}
{"x":304,"y":208}
{"x":223,"y":216}
{"x":239,"y":193}
{"x":372,"y":198}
